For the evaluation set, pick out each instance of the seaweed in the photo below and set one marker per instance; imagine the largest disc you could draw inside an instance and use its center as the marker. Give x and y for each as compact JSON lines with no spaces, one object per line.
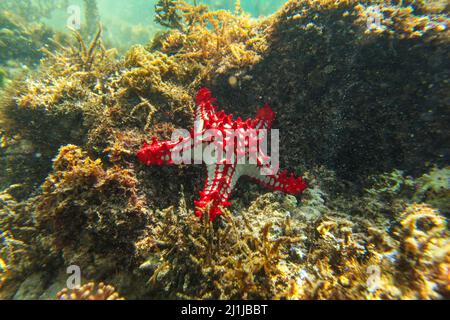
{"x":86,"y":208}
{"x":373,"y":146}
{"x":240,"y":259}
{"x":92,"y":18}
{"x":166,"y":14}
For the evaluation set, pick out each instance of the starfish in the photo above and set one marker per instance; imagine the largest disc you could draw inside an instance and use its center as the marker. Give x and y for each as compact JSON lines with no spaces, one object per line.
{"x":217,"y":130}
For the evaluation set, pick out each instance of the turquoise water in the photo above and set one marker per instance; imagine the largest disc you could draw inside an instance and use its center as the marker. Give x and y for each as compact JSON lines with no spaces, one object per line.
{"x":120,"y":17}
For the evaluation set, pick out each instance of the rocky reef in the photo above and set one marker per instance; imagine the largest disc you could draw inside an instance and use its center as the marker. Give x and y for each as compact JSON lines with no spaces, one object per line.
{"x":361,"y":91}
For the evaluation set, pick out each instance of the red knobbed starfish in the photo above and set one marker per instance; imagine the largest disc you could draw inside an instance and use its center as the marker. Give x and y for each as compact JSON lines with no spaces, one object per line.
{"x":220,"y":130}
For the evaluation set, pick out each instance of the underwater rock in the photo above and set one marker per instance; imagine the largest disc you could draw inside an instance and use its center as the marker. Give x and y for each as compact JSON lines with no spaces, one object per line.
{"x":31,"y":288}
{"x":86,"y":211}
{"x":357,"y":99}
{"x":56,"y":285}
{"x":425,"y":247}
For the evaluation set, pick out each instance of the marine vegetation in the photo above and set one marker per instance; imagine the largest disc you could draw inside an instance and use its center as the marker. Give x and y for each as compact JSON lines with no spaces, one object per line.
{"x":360,"y":90}
{"x":67,"y":206}
{"x":2,"y":77}
{"x":217,"y":40}
{"x":92,"y":17}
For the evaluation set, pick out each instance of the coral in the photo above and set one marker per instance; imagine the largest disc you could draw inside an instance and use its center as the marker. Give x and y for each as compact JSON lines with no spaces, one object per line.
{"x":86,"y":97}
{"x":52,"y":98}
{"x":399,"y":21}
{"x":85,"y":209}
{"x":339,"y":255}
{"x":425,"y":248}
{"x":151,"y":73}
{"x":78,"y":70}
{"x":434,"y":188}
{"x":67,"y":73}
{"x":160,"y":84}
{"x":266,"y":253}
{"x":12,"y":247}
{"x":396,"y":190}
{"x":90,"y":291}
{"x":23,"y":161}
{"x":227,"y":165}
{"x":389,"y":192}
{"x":362,"y":258}
{"x":244,"y":258}
{"x":21,"y":249}
{"x":429,"y":6}
{"x":3,"y":272}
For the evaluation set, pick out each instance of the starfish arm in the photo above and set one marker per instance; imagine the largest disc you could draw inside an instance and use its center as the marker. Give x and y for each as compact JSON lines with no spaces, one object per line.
{"x":205,"y":110}
{"x":282,"y":181}
{"x":166,"y":152}
{"x":218,"y":187}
